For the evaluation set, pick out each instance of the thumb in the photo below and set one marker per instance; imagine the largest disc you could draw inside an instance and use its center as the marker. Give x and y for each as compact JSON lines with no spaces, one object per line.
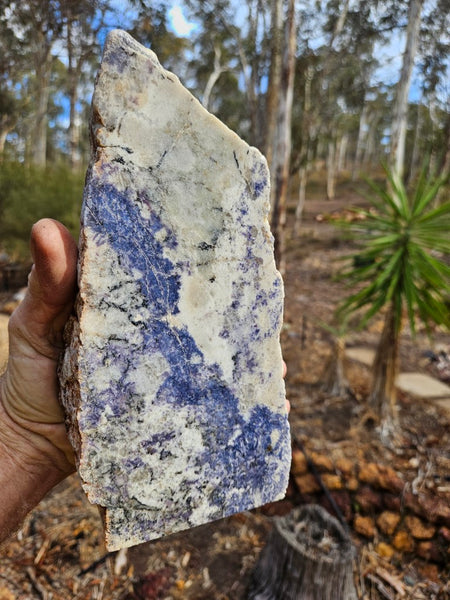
{"x":41,"y":316}
{"x":53,"y":277}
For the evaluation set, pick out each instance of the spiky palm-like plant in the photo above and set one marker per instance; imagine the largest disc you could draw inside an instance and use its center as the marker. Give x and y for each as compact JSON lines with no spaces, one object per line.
{"x":400,"y":266}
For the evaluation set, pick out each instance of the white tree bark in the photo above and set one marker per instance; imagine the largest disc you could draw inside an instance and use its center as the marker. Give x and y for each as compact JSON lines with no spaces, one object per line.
{"x":83,"y":21}
{"x":276,"y":54}
{"x":306,"y":151}
{"x":400,"y":114}
{"x":342,"y":153}
{"x":360,"y":142}
{"x":339,"y":25}
{"x":331,"y":169}
{"x":370,"y":146}
{"x":282,"y":147}
{"x":214,"y":76}
{"x":43,"y":64}
{"x":415,"y":160}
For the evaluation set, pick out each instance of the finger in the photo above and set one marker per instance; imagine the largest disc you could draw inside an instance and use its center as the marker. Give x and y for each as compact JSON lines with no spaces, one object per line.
{"x":284,"y":369}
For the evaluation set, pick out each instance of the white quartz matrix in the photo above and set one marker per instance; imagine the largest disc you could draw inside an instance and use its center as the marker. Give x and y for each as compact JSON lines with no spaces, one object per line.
{"x":172,"y":378}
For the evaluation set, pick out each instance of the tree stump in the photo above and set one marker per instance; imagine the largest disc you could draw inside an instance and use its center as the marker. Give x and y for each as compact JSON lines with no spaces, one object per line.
{"x":308,"y":557}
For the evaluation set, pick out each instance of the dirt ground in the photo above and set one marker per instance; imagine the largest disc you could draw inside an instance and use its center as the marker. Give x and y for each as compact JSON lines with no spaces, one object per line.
{"x":58,"y":553}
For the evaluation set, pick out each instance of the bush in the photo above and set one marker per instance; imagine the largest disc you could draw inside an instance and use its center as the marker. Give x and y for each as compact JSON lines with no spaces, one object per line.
{"x":401,"y":264}
{"x":28,"y":194}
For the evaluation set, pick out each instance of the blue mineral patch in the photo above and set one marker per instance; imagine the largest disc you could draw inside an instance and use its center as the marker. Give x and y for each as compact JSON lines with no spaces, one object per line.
{"x":259,"y":179}
{"x":243,"y":456}
{"x":118,"y":59}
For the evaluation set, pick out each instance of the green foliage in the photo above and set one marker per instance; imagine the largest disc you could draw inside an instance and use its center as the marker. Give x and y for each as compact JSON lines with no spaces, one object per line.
{"x":403,"y":243}
{"x":151,"y":28}
{"x":28,"y":194}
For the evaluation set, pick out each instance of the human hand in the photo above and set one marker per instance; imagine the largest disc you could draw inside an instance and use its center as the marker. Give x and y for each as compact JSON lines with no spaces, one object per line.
{"x":35,"y":429}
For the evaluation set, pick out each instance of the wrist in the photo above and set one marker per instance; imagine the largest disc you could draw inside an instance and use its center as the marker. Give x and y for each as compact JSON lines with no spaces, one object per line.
{"x":34,"y":446}
{"x":37,"y":443}
{"x":29,"y":447}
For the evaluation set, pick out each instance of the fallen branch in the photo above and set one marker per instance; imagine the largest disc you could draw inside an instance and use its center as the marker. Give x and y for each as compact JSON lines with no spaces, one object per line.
{"x":393,"y":581}
{"x":380,"y":586}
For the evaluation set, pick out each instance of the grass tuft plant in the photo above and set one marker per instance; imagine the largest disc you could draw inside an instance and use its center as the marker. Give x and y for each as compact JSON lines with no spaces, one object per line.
{"x":400,"y":267}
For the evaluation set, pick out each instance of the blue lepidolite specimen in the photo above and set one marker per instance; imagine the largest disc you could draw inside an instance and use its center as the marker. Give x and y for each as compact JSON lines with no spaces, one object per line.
{"x":172,"y":378}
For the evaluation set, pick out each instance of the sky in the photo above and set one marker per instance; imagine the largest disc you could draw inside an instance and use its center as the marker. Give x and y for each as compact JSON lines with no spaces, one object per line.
{"x":389,"y":54}
{"x":178,"y":21}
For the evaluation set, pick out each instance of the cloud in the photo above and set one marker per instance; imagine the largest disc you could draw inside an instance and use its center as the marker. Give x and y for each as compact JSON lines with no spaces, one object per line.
{"x":178,"y":21}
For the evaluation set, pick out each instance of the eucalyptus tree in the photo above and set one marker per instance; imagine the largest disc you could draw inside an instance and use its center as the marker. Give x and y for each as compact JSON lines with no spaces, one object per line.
{"x":276,"y":55}
{"x":241,"y":33}
{"x":434,"y":67}
{"x":281,"y":157}
{"x":9,"y":115}
{"x":35,"y":27}
{"x":82,"y":22}
{"x":150,"y":26}
{"x":400,"y":111}
{"x":9,"y":99}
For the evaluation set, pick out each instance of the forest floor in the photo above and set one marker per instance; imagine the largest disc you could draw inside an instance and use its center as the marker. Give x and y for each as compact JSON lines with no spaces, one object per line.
{"x":58,"y":553}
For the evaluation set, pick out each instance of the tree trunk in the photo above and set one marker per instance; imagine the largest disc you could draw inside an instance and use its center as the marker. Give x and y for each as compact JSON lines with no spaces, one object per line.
{"x":360,"y":142}
{"x":415,"y":162}
{"x":308,"y":556}
{"x":342,"y":153}
{"x":73,"y":76}
{"x":303,"y":180}
{"x":306,"y":151}
{"x":334,"y":381}
{"x":214,"y":76}
{"x":43,"y":65}
{"x":282,"y":153}
{"x":370,"y":146}
{"x":74,"y":133}
{"x":276,"y":54}
{"x":444,"y":163}
{"x":382,"y":397}
{"x":435,"y":128}
{"x":400,"y":114}
{"x":303,"y":177}
{"x":83,"y":21}
{"x":331,"y":170}
{"x":3,"y":134}
{"x":250,"y":93}
{"x":339,"y":26}
{"x":7,"y":124}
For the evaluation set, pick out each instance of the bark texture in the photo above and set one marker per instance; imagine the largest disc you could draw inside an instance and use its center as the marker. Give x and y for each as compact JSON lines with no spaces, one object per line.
{"x":279,"y":168}
{"x":308,"y":557}
{"x":382,"y":398}
{"x":399,"y":121}
{"x":276,"y":53}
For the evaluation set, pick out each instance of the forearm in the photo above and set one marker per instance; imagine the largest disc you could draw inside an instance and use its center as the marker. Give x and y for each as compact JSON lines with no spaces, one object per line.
{"x":30,"y":466}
